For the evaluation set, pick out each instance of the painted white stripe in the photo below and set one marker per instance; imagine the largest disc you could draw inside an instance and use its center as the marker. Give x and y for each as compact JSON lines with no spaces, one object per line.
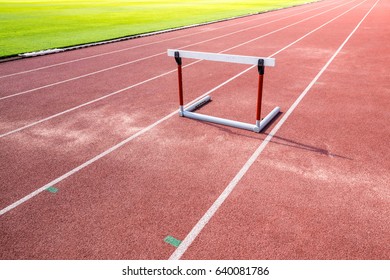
{"x":163,"y":53}
{"x":178,"y":253}
{"x":117,"y":146}
{"x":166,"y":73}
{"x":77,"y":77}
{"x":170,"y":39}
{"x":85,"y":164}
{"x":73,"y":171}
{"x":83,"y":105}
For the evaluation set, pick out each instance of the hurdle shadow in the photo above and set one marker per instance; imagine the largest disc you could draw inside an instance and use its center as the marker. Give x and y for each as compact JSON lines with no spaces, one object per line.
{"x":276,"y":139}
{"x":295,"y":144}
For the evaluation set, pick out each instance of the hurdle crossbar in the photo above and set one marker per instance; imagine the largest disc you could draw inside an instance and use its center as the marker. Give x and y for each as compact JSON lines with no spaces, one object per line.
{"x":231,"y":58}
{"x":261,"y":62}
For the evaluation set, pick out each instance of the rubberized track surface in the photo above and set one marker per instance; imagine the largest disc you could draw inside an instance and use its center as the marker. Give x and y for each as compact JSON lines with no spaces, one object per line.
{"x":100,"y":125}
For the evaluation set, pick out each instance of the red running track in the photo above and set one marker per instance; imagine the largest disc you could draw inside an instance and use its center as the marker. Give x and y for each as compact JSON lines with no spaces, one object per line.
{"x":129,"y":171}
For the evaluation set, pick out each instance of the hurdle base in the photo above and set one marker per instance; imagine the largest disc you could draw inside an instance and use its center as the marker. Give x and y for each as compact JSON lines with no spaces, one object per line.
{"x":258,"y":127}
{"x":268,"y":118}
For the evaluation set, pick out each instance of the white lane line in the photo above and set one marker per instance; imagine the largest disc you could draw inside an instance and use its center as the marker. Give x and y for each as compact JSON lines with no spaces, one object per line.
{"x":161,"y":41}
{"x":282,"y":28}
{"x":92,"y":160}
{"x":84,"y":104}
{"x":85,"y":164}
{"x":171,"y":71}
{"x":66,"y":175}
{"x":282,"y":49}
{"x":164,"y":53}
{"x":178,"y":253}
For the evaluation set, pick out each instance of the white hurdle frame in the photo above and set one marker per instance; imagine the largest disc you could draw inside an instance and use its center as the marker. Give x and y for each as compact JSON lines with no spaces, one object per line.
{"x":261,"y":62}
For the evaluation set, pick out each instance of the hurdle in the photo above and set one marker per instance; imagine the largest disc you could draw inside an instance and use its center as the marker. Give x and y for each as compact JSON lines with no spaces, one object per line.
{"x":261,"y":62}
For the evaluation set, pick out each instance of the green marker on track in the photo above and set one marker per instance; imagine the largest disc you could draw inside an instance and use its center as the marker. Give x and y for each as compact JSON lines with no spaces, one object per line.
{"x":173,"y":241}
{"x":52,"y":189}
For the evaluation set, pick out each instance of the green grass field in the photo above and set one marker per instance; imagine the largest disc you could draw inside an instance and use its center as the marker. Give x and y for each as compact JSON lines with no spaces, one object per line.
{"x":32,"y":25}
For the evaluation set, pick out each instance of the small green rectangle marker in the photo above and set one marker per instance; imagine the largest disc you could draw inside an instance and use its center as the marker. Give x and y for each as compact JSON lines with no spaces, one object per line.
{"x":52,"y":189}
{"x":172,"y":240}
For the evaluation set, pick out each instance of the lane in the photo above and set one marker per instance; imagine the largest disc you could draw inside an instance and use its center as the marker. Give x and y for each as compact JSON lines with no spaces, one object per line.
{"x":157,"y":185}
{"x":320,"y":188}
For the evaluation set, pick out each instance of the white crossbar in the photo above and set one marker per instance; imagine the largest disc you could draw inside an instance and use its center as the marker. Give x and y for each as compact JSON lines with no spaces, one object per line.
{"x":242,"y":59}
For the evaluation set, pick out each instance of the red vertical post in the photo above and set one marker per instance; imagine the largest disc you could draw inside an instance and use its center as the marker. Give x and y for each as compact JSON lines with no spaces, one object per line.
{"x":260,"y":68}
{"x":180,"y":78}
